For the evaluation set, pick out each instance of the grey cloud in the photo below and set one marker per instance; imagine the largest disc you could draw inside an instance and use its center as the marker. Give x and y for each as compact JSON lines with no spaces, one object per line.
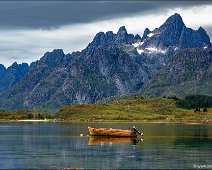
{"x":52,"y":14}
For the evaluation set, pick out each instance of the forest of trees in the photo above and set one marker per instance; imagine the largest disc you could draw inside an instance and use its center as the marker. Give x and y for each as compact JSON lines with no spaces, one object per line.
{"x":195,"y":102}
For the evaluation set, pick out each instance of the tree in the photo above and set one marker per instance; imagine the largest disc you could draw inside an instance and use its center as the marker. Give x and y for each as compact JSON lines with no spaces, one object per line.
{"x":29,"y":116}
{"x":195,"y":101}
{"x":197,"y":109}
{"x":205,"y":109}
{"x":40,"y":116}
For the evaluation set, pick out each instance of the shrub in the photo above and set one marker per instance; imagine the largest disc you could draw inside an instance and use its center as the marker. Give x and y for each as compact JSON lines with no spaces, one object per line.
{"x":205,"y":109}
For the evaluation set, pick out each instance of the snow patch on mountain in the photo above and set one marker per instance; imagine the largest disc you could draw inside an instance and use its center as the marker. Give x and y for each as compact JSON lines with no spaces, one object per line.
{"x":155,"y":50}
{"x":139,"y":50}
{"x":151,"y":50}
{"x":151,"y":34}
{"x":137,"y":44}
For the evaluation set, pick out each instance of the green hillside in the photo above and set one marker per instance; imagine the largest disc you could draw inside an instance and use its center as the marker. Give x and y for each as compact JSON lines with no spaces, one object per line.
{"x":23,"y":115}
{"x":134,"y":109}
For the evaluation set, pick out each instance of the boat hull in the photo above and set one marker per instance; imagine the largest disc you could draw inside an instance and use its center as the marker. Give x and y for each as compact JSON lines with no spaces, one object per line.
{"x":111,"y":132}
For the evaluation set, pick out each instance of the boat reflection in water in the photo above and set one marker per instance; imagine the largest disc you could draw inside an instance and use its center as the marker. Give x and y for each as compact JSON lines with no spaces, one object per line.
{"x":113,"y":140}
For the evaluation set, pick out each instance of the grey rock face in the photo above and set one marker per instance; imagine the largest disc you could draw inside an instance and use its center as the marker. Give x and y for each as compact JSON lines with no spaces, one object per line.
{"x":188,"y":72}
{"x":194,"y":39}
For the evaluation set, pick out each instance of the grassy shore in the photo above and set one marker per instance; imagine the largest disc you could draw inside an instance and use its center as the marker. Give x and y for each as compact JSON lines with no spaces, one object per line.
{"x":134,"y":109}
{"x":24,"y":115}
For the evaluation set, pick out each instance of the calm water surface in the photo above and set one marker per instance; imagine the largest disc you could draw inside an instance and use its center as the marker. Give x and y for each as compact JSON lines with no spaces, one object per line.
{"x":55,"y":145}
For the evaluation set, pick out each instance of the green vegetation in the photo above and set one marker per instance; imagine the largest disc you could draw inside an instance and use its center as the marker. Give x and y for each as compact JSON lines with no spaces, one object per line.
{"x":23,"y":115}
{"x":195,"y":101}
{"x":133,"y":109}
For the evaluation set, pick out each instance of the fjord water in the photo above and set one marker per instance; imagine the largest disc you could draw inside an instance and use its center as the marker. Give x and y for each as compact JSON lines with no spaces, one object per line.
{"x":59,"y":145}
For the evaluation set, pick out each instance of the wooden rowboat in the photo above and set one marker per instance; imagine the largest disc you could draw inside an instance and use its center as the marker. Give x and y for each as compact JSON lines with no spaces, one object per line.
{"x":113,"y":132}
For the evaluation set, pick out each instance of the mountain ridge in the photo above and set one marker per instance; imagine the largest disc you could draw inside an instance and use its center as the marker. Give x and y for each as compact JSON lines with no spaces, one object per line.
{"x":112,"y":64}
{"x":11,"y":75}
{"x":173,"y":35}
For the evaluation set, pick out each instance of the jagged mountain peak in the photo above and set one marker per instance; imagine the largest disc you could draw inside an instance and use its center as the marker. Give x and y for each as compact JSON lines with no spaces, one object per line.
{"x":109,"y":33}
{"x":2,"y":69}
{"x":53,"y":58}
{"x":146,"y":32}
{"x":12,"y":75}
{"x":137,"y":38}
{"x":173,"y":19}
{"x":203,"y":33}
{"x":58,"y":51}
{"x":201,"y":29}
{"x":109,"y":38}
{"x":176,"y":16}
{"x":99,"y":35}
{"x":122,"y":30}
{"x":54,"y":52}
{"x":174,"y":22}
{"x":100,"y":38}
{"x":171,"y":36}
{"x":15,"y":65}
{"x":2,"y":66}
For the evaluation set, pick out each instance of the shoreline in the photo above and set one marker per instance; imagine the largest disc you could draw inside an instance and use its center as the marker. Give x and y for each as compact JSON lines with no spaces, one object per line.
{"x":192,"y":122}
{"x":27,"y":120}
{"x":31,"y":120}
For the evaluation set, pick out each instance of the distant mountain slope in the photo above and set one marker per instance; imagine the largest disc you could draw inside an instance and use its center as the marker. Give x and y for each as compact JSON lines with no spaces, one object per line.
{"x":78,"y":78}
{"x":188,"y":72}
{"x":12,"y":75}
{"x":112,"y":64}
{"x":2,"y":70}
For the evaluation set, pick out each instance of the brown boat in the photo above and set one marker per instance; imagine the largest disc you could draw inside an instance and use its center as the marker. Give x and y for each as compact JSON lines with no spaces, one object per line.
{"x":112,"y":140}
{"x":114,"y":132}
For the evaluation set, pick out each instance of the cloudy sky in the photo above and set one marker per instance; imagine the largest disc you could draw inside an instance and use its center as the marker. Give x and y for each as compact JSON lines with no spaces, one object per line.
{"x":29,"y":29}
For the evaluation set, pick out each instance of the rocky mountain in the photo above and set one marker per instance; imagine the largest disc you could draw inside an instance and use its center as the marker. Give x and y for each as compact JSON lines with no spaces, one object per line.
{"x":2,"y":70}
{"x":171,"y":37}
{"x":12,"y":75}
{"x":58,"y":79}
{"x":188,"y":72}
{"x":112,"y":64}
